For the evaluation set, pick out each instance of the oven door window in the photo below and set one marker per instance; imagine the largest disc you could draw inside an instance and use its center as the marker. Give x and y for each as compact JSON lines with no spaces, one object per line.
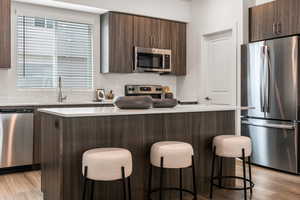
{"x":150,"y":61}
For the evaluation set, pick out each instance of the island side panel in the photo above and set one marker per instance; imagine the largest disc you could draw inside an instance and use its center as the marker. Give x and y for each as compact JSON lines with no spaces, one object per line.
{"x":80,"y":135}
{"x":204,"y":127}
{"x":51,"y":159}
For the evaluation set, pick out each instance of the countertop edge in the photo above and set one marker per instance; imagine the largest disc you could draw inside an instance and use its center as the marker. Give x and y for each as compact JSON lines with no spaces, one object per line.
{"x":151,"y":111}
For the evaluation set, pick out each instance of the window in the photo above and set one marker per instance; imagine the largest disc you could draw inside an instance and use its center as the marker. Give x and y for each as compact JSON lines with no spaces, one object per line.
{"x":48,"y":49}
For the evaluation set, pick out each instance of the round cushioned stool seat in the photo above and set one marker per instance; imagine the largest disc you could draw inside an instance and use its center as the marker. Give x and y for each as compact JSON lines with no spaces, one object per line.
{"x":175,"y":154}
{"x":231,"y":146}
{"x":105,"y":164}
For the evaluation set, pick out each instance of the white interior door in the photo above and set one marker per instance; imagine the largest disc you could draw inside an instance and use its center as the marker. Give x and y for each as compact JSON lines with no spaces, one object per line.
{"x":220,"y":67}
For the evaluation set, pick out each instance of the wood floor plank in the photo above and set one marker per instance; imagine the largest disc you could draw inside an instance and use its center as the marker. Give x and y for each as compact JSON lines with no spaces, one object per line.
{"x":269,"y":185}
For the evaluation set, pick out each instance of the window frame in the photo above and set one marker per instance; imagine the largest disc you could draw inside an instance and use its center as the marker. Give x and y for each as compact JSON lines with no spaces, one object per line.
{"x":21,"y":9}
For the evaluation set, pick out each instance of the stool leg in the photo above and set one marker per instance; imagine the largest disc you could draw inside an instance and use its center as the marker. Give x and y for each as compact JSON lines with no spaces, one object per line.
{"x":92,"y":190}
{"x":180,"y":183}
{"x":221,"y":172}
{"x":244,"y":174}
{"x":161,"y":178}
{"x":212,"y":173}
{"x":124,"y":183}
{"x":129,"y":188}
{"x":194,"y":178}
{"x":150,"y":182}
{"x":250,"y":173}
{"x":84,"y":182}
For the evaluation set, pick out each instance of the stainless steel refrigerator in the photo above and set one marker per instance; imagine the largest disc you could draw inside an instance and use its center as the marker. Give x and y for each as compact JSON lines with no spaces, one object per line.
{"x":270,"y":84}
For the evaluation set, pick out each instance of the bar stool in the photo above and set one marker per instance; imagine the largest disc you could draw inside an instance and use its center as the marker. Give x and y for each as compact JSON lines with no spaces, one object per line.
{"x":172,"y":155}
{"x":106,"y":164}
{"x":231,"y":146}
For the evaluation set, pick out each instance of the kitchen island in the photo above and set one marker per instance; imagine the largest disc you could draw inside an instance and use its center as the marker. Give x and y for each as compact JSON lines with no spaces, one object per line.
{"x":68,"y":132}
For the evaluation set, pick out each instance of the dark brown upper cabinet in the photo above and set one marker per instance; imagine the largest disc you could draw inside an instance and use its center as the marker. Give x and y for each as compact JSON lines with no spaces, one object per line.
{"x":120,"y":33}
{"x":178,"y":46}
{"x":262,"y":22}
{"x":152,"y":33}
{"x":5,"y":36}
{"x":116,"y":43}
{"x":163,"y":34}
{"x":283,"y":17}
{"x":146,"y":32}
{"x":275,"y":19}
{"x":288,"y":17}
{"x":165,"y":31}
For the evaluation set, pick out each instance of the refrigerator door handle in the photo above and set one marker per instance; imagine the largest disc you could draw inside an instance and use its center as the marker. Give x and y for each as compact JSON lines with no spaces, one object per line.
{"x":267,"y":78}
{"x":267,"y":125}
{"x":262,"y":86}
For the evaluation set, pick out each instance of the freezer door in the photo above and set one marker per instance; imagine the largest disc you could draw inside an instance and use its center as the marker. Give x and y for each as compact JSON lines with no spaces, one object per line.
{"x":274,"y":143}
{"x":252,"y":79}
{"x":282,"y":90}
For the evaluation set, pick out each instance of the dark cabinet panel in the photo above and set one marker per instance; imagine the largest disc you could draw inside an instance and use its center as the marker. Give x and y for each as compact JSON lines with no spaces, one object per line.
{"x":283,"y":17}
{"x":116,"y":43}
{"x":262,"y":22}
{"x":165,"y":30}
{"x":120,"y":33}
{"x":5,"y":38}
{"x":276,"y":19}
{"x":295,"y":16}
{"x":288,"y":17}
{"x":146,"y":32}
{"x":178,"y":46}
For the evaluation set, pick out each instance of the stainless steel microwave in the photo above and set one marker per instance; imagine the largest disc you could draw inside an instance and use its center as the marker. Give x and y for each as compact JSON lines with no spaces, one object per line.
{"x":152,"y":60}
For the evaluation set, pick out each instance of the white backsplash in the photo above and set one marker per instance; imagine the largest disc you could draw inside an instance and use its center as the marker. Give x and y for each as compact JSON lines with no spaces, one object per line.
{"x":115,"y":82}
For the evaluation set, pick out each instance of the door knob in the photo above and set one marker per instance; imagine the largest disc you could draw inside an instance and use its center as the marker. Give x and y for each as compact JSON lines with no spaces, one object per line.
{"x":208,"y":98}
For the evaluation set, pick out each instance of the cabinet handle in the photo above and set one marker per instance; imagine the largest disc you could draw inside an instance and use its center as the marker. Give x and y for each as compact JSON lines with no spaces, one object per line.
{"x":274,"y":28}
{"x":279,"y":28}
{"x":152,"y":43}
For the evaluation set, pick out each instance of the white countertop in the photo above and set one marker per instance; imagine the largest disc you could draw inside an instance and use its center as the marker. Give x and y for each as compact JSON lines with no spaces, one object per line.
{"x":111,"y":111}
{"x":12,"y":104}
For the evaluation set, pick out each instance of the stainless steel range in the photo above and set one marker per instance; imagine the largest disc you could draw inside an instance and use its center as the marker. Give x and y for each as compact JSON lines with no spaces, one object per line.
{"x":155,"y":91}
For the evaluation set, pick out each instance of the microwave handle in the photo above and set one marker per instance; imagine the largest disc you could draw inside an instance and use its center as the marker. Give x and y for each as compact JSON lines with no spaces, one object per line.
{"x":135,"y":57}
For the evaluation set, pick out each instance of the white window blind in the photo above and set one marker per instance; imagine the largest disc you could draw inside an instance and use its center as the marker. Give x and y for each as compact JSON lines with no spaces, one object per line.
{"x":47,"y":49}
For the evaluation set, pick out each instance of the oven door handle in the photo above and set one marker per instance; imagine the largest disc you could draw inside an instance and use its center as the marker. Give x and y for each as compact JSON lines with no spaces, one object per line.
{"x":268,"y":125}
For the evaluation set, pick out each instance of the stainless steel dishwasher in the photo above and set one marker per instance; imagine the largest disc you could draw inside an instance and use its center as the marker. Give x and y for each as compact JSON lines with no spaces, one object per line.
{"x":16,"y":137}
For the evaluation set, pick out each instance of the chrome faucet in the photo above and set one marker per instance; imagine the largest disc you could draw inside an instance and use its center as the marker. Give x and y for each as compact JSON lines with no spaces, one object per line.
{"x":60,"y":98}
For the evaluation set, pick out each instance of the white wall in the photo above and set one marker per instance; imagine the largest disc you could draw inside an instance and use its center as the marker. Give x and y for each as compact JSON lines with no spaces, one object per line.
{"x":207,"y":16}
{"x":258,"y":2}
{"x":172,"y":9}
{"x":210,"y":16}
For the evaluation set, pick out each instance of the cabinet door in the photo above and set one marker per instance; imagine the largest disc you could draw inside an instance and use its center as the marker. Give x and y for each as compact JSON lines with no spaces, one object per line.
{"x":164,"y":34}
{"x":285,"y":19}
{"x":5,"y":49}
{"x":178,"y":46}
{"x":146,"y":32}
{"x":121,"y":43}
{"x":262,"y":21}
{"x":288,"y":17}
{"x":294,"y":16}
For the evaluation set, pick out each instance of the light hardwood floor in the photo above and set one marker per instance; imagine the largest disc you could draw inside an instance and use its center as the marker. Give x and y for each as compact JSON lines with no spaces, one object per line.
{"x":269,"y":185}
